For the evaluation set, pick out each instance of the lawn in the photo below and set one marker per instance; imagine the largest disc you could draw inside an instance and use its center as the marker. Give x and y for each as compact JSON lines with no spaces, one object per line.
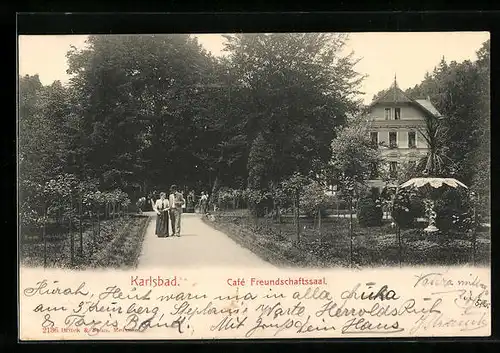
{"x":330,"y":244}
{"x":117,"y":245}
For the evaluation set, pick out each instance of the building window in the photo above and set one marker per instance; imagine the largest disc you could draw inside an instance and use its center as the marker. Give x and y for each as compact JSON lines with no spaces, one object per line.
{"x":412,"y":142}
{"x":393,"y":139}
{"x":374,"y":138}
{"x":397,"y":113}
{"x":393,"y":169}
{"x":388,"y":115}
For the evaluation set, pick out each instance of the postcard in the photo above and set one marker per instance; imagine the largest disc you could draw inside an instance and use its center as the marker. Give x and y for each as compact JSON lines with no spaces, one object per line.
{"x":254,"y":186}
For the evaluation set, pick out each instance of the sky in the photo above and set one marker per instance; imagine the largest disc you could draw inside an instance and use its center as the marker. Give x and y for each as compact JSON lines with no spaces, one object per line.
{"x":408,"y":55}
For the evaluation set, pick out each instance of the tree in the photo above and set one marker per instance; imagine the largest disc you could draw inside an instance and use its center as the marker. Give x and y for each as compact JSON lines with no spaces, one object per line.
{"x":298,"y":87}
{"x":379,"y":94}
{"x":42,"y":141}
{"x":353,"y":156}
{"x":141,"y":105}
{"x":352,"y":161}
{"x":481,"y":157}
{"x":220,"y":144}
{"x":460,"y":92}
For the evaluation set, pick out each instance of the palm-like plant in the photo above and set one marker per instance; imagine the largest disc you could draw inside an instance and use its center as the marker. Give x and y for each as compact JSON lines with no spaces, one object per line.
{"x":436,"y":162}
{"x":434,"y":166}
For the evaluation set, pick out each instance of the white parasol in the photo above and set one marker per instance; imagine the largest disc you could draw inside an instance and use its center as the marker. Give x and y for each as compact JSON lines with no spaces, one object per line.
{"x":435,"y":183}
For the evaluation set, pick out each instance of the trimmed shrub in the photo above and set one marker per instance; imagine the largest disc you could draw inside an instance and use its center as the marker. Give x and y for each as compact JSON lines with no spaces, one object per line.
{"x":369,"y":210}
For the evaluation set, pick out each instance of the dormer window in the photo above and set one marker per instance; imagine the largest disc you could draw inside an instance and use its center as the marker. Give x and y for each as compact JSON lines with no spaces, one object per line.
{"x":388,"y":114}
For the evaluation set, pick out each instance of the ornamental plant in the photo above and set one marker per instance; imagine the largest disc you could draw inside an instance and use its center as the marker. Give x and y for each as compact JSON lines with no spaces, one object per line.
{"x":369,"y":210}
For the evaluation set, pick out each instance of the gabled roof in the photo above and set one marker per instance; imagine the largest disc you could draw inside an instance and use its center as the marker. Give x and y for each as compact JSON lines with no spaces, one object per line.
{"x":395,"y":95}
{"x":427,"y":105}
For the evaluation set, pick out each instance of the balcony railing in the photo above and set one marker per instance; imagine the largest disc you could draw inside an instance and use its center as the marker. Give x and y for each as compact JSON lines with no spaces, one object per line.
{"x":417,"y":123}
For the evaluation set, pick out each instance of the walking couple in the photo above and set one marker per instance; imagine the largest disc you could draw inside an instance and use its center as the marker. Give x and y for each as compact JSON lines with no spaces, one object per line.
{"x":169,"y":207}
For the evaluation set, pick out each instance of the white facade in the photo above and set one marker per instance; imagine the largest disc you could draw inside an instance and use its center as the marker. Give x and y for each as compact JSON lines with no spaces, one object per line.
{"x":396,"y":123}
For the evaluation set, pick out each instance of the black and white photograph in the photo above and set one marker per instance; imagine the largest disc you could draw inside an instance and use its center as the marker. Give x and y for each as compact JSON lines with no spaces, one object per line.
{"x":262,"y":151}
{"x":315,"y":149}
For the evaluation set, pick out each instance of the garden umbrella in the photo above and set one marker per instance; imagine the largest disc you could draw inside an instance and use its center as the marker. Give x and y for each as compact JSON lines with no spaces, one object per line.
{"x":428,"y":184}
{"x":433,"y":182}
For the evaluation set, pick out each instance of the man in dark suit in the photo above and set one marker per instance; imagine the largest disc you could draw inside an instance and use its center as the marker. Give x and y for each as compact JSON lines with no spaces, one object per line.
{"x":176,"y":200}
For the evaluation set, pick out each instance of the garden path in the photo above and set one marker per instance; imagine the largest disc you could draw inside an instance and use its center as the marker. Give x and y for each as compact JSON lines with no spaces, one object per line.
{"x":198,"y":246}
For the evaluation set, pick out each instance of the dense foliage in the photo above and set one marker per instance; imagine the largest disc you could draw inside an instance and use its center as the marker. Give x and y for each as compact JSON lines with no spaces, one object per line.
{"x":369,"y":210}
{"x":143,"y":112}
{"x":461,"y":92}
{"x":314,"y":201}
{"x":353,"y":157}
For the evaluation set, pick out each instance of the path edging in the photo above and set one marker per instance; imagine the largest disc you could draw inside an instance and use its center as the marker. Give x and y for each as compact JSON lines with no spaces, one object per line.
{"x":142,"y":234}
{"x":263,"y":253}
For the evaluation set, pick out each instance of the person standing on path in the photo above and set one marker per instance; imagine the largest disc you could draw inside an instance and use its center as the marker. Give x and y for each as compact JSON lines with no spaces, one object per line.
{"x":140,"y":204}
{"x":176,"y":201}
{"x":203,"y":203}
{"x":190,"y":202}
{"x":161,"y":208}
